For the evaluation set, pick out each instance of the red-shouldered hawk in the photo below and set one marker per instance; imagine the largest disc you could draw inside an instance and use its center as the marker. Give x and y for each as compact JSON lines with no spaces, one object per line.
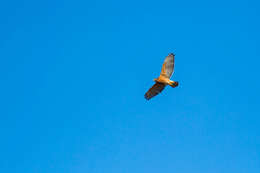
{"x":163,"y":79}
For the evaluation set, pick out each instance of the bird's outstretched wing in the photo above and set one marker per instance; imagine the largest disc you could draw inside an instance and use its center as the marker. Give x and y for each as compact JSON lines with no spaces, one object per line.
{"x":154,"y":90}
{"x":168,"y":66}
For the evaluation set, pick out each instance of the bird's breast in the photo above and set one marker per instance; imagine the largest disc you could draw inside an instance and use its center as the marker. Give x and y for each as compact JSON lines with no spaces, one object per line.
{"x":163,"y":79}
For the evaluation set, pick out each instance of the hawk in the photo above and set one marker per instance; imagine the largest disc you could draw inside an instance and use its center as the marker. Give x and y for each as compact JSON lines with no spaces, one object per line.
{"x":163,"y":79}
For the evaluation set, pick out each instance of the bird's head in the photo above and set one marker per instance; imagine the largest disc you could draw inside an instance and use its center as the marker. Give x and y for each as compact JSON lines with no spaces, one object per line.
{"x":171,"y":54}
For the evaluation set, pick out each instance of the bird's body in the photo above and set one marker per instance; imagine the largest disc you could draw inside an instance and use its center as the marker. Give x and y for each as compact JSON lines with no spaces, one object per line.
{"x":164,"y":78}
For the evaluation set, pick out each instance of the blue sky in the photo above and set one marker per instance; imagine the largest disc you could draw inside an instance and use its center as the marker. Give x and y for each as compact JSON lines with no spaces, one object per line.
{"x":73,"y":75}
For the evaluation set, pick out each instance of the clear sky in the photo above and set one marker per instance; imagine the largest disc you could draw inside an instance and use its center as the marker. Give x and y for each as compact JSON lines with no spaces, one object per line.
{"x":73,"y":76}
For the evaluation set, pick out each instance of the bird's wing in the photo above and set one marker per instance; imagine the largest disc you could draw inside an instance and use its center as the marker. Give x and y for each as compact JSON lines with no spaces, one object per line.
{"x":168,"y":66}
{"x":154,"y":90}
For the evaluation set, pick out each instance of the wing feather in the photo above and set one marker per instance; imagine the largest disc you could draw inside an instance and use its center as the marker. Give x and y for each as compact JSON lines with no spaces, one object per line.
{"x":168,"y":66}
{"x":154,"y":90}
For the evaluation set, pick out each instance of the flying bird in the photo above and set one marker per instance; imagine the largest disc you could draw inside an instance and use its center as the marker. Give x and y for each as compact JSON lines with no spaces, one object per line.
{"x":164,"y":79}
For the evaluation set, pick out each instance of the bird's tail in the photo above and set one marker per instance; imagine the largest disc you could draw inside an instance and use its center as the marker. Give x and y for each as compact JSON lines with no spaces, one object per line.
{"x":174,"y":84}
